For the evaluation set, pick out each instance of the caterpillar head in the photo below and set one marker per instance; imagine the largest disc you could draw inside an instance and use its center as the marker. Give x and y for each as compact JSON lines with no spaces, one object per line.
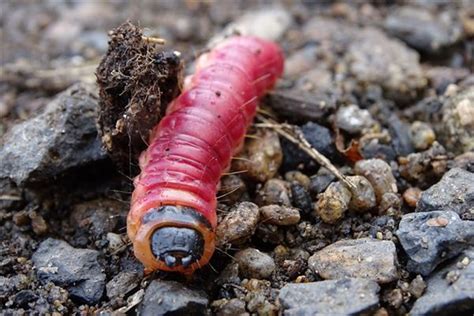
{"x":174,"y":238}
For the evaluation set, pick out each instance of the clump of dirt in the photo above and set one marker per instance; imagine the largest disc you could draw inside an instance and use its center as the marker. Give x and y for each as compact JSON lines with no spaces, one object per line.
{"x":137,"y":80}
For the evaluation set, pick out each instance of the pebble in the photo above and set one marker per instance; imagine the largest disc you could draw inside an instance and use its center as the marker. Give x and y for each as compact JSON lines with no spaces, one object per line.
{"x":320,"y":181}
{"x":38,"y":224}
{"x":262,"y":156}
{"x":232,"y":188}
{"x":374,"y":58}
{"x":333,"y":203}
{"x":299,"y":177}
{"x":430,"y":238}
{"x":456,"y":129}
{"x":172,"y":298}
{"x":454,"y":192}
{"x":446,"y":296}
{"x":231,"y":307}
{"x":75,"y":269}
{"x":275,"y":191}
{"x":417,"y":286}
{"x":269,"y":22}
{"x":62,"y":138}
{"x":379,"y":174}
{"x":332,"y":297}
{"x":425,"y":31}
{"x":365,"y":258}
{"x":363,"y":196}
{"x":424,"y":166}
{"x":280,"y":215}
{"x":300,"y":61}
{"x":465,"y":161}
{"x":254,"y":264}
{"x":353,"y":119}
{"x":239,"y":224}
{"x":319,"y":137}
{"x":390,"y":204}
{"x":122,"y":284}
{"x":422,"y":135}
{"x":411,"y":196}
{"x":301,"y":198}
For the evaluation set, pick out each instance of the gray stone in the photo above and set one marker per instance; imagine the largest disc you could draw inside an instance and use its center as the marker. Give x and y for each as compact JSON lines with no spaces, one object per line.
{"x":280,"y":215}
{"x":353,"y":120}
{"x":450,"y":291}
{"x":255,"y":264}
{"x":122,"y":284}
{"x":75,"y":269}
{"x":379,"y":173}
{"x":63,"y":137}
{"x":172,"y":298}
{"x":423,"y":30}
{"x":430,"y":238}
{"x":239,"y":224}
{"x":335,"y":297}
{"x":358,"y":258}
{"x":454,"y":192}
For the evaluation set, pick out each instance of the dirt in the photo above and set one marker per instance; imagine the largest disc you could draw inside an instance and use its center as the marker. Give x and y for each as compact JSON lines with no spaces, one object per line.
{"x":338,"y":56}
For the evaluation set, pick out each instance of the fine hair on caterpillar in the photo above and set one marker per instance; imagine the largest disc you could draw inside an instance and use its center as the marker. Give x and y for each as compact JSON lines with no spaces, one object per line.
{"x":172,"y":220}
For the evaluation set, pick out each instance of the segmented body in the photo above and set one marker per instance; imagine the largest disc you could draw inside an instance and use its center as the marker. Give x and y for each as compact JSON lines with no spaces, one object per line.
{"x":193,"y":144}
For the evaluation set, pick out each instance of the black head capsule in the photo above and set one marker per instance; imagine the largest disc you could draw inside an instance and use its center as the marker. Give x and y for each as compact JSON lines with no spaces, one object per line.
{"x":177,"y":245}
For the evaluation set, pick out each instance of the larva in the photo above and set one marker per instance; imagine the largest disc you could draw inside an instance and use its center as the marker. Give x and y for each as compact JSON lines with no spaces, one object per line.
{"x":172,"y":219}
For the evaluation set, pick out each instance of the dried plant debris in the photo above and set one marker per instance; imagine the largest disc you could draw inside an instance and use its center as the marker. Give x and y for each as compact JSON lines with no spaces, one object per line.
{"x":137,"y":80}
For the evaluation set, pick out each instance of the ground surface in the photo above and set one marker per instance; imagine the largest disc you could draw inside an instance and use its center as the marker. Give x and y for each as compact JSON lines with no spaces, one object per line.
{"x":385,"y":91}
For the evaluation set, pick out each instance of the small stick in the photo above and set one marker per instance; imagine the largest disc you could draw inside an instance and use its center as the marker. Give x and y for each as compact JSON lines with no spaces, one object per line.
{"x":294,"y":135}
{"x":154,"y":40}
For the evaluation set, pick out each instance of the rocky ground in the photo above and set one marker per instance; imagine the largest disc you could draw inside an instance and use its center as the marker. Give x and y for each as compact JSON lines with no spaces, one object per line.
{"x":385,"y":91}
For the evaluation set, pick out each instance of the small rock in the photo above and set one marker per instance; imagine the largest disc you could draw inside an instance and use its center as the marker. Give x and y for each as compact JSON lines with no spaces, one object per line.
{"x":239,"y":224}
{"x":22,"y":298}
{"x":262,"y":156}
{"x":299,"y":177}
{"x":300,"y":61}
{"x":379,"y":174}
{"x":275,"y":191}
{"x":454,"y":192}
{"x":254,"y":264}
{"x":172,"y":298}
{"x":411,"y":196}
{"x":280,"y":215}
{"x":358,"y":258}
{"x":465,"y":161}
{"x":395,"y":298}
{"x":430,"y":238}
{"x":424,"y":30}
{"x":353,"y":120}
{"x":333,"y":203}
{"x":38,"y":224}
{"x":422,"y":135}
{"x":390,"y":203}
{"x":63,"y":137}
{"x":232,"y":307}
{"x":449,"y":298}
{"x":363,"y":196}
{"x":301,"y":198}
{"x":268,"y":23}
{"x":321,"y":181}
{"x":115,"y":241}
{"x":417,"y":286}
{"x":75,"y":269}
{"x":318,"y":136}
{"x":122,"y":284}
{"x":456,"y":129}
{"x":334,"y":297}
{"x":374,"y":58}
{"x":424,"y":166}
{"x":232,"y":188}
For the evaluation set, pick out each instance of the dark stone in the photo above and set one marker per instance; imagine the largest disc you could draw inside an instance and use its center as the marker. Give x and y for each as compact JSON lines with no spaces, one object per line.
{"x":335,"y":297}
{"x":401,"y":137}
{"x":375,"y":149}
{"x":63,"y":137}
{"x":122,"y":284}
{"x":321,"y":181}
{"x":301,"y":198}
{"x":77,"y":270}
{"x":450,"y":291}
{"x":24,"y":297}
{"x":454,"y":192}
{"x":430,"y":238}
{"x":319,"y":137}
{"x":172,"y":298}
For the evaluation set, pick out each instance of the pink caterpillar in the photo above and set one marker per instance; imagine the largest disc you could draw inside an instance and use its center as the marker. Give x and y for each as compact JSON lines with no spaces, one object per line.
{"x":172,"y":219}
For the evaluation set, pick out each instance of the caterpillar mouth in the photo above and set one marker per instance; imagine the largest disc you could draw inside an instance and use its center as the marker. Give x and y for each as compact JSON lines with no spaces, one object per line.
{"x":177,"y":246}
